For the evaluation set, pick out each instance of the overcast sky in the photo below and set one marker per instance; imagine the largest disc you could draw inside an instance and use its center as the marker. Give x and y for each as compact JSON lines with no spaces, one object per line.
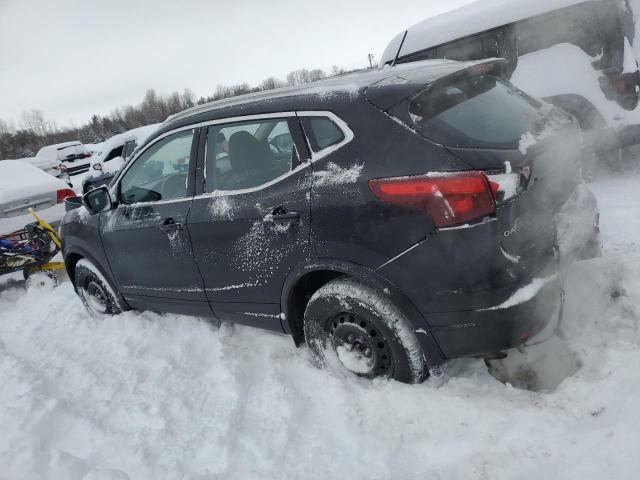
{"x":74,"y":58}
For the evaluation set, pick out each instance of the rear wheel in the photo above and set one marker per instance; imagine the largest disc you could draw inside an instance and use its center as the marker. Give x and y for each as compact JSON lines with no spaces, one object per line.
{"x":351,"y":326}
{"x":97,"y":295}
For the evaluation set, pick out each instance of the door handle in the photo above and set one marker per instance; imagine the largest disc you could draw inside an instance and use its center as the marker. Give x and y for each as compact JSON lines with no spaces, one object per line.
{"x":169,"y":225}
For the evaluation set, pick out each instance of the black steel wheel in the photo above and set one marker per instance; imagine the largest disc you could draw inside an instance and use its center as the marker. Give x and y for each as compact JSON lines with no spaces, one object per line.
{"x":97,"y":295}
{"x":360,"y":345}
{"x":351,"y":326}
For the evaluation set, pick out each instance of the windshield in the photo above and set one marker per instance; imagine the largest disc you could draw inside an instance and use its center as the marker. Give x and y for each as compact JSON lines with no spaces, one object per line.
{"x":474,"y":111}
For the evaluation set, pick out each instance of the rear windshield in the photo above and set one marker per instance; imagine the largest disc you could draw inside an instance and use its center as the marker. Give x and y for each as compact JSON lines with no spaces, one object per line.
{"x":474,"y":111}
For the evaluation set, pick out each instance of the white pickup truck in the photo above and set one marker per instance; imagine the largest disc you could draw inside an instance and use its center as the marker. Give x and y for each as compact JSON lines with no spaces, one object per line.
{"x":74,"y":157}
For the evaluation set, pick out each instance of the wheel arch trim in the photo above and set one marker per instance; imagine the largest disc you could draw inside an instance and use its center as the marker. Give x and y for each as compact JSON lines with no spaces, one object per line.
{"x":77,"y":251}
{"x":292,"y":325}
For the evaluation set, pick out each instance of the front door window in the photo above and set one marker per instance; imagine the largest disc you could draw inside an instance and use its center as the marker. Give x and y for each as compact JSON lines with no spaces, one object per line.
{"x":160,"y":173}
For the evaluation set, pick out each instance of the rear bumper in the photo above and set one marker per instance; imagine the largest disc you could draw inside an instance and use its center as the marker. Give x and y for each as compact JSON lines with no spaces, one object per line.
{"x":502,"y":327}
{"x":476,"y":297}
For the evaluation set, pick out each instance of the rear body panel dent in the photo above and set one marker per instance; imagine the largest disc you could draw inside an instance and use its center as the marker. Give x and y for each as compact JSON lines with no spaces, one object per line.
{"x":467,"y":333}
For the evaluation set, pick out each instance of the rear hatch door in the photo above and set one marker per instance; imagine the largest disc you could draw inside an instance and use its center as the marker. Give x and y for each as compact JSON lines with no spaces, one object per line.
{"x":495,"y":128}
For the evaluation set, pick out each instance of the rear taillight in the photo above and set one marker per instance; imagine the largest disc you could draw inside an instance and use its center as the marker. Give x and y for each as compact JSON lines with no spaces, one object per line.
{"x":627,"y":83}
{"x":64,"y":193}
{"x":453,"y":198}
{"x":621,"y":86}
{"x":449,"y":198}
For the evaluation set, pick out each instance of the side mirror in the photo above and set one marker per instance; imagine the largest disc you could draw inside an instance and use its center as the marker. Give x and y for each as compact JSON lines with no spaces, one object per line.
{"x":97,"y":166}
{"x":98,"y":200}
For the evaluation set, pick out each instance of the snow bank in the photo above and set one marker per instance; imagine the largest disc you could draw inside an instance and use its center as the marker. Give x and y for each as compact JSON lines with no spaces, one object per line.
{"x":145,"y":396}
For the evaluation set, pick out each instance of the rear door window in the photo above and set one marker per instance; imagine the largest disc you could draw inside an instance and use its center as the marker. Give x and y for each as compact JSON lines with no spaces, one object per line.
{"x":248,"y":154}
{"x":474,"y":111}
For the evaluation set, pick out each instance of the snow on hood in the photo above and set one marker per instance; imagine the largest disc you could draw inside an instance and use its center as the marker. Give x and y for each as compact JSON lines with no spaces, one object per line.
{"x":42,"y":163}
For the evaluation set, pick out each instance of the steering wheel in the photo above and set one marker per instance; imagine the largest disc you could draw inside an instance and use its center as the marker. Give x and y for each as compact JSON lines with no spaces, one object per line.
{"x":174,"y":187}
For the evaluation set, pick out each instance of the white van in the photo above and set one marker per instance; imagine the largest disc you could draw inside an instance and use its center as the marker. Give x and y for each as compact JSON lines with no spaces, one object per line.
{"x":575,"y":54}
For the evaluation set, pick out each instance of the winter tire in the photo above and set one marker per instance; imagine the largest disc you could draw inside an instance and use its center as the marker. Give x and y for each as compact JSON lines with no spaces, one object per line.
{"x":352,"y":326}
{"x":97,"y":295}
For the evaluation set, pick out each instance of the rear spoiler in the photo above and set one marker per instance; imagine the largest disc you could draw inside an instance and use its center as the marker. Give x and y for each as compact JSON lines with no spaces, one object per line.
{"x":409,"y":79}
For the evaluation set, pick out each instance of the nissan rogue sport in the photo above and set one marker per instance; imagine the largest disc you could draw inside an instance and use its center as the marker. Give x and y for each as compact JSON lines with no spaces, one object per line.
{"x":389,"y":219}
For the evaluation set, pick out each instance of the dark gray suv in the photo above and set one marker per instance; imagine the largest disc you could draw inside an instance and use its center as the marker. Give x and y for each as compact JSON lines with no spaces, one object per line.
{"x":391,"y":219}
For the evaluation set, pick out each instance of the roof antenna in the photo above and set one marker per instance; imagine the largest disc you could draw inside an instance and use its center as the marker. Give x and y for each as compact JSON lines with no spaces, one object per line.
{"x":393,"y":64}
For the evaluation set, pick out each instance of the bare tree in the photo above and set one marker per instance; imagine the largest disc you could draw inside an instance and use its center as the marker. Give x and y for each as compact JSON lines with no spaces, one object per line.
{"x":271,"y":83}
{"x":34,"y":120}
{"x":316,"y":74}
{"x":6,"y":128}
{"x":36,"y":131}
{"x":188,"y":98}
{"x":298,"y":77}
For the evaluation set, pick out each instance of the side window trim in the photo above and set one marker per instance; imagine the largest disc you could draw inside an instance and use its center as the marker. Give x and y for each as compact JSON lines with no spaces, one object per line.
{"x":341,"y":124}
{"x":297,"y":133}
{"x":299,"y":141}
{"x":200,"y":162}
{"x":198,"y":155}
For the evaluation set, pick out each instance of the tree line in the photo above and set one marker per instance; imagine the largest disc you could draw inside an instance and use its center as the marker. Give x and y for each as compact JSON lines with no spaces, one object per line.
{"x":36,"y":131}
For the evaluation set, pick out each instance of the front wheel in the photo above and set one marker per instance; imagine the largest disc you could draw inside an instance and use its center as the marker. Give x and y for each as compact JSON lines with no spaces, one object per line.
{"x":350,"y":325}
{"x":97,"y":295}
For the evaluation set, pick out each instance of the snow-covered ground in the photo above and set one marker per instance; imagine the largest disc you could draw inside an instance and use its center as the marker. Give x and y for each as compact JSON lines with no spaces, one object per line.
{"x":147,"y":396}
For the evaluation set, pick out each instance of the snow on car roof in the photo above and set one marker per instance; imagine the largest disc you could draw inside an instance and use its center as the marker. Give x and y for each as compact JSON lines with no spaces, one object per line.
{"x":476,"y":17}
{"x":54,"y":151}
{"x":60,"y":146}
